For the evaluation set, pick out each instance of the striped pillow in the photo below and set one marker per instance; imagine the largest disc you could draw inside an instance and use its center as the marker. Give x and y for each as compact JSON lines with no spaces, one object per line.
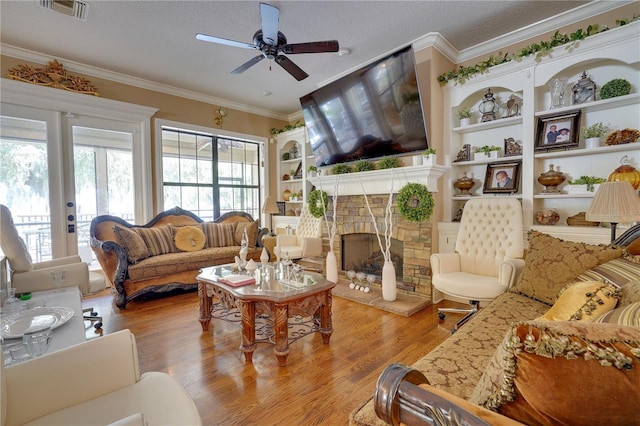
{"x":626,"y":315}
{"x":617,"y":271}
{"x":219,"y":234}
{"x":159,"y":239}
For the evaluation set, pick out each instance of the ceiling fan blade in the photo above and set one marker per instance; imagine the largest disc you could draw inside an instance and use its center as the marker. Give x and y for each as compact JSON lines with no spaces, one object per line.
{"x":312,"y":47}
{"x":270,"y":20}
{"x":291,"y":68}
{"x":251,"y":62}
{"x":226,"y":42}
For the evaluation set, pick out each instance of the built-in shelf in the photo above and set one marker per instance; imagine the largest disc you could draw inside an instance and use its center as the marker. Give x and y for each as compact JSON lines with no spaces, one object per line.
{"x":488,"y":160}
{"x":565,"y":195}
{"x":493,"y":124}
{"x":599,"y":105}
{"x":589,"y":151}
{"x":379,"y":181}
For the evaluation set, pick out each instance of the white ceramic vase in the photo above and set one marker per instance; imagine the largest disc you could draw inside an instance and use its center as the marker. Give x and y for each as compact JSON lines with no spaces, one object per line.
{"x":591,"y":143}
{"x":465,"y":122}
{"x":388,"y":281}
{"x":331,"y":267}
{"x":429,"y":160}
{"x":264,"y":257}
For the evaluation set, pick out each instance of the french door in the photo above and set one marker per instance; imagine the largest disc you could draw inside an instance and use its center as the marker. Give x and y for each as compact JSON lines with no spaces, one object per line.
{"x":59,"y":170}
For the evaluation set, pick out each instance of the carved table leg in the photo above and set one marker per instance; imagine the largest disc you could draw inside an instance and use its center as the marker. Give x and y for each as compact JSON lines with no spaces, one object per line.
{"x":326,"y":325}
{"x":281,"y":329}
{"x":205,"y":306}
{"x":248,"y":329}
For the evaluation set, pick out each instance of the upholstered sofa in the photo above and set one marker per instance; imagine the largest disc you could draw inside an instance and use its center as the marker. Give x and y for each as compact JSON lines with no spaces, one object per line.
{"x":168,"y":252}
{"x":97,"y":382}
{"x":554,"y":349}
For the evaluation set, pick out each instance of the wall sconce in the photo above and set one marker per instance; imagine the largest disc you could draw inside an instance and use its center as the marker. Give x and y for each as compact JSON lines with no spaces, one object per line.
{"x":220,"y":115}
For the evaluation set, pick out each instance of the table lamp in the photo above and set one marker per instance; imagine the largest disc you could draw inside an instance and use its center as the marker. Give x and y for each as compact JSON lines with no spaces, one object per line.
{"x":615,"y":202}
{"x":269,"y":207}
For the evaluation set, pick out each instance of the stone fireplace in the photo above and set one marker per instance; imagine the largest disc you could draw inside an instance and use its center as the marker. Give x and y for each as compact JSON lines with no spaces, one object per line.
{"x":361,"y":252}
{"x":414,"y":239}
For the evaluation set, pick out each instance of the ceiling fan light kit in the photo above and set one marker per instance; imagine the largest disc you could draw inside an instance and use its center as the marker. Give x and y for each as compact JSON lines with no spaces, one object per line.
{"x":273,"y":44}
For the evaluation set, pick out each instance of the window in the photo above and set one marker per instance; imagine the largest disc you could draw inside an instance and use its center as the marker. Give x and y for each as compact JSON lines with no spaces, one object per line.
{"x":210,"y":175}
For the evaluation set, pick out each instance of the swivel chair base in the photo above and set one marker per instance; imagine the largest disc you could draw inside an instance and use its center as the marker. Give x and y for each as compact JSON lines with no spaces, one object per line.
{"x":469,"y":314}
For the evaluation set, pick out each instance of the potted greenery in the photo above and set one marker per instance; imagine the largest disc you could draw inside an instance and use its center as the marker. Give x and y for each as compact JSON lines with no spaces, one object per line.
{"x":592,"y":134}
{"x":389,"y":163}
{"x":340,"y":169}
{"x":464,"y":115}
{"x":486,"y":151}
{"x":614,"y":88}
{"x":363,"y":166}
{"x":429,"y":157}
{"x":312,"y":171}
{"x":584,"y":184}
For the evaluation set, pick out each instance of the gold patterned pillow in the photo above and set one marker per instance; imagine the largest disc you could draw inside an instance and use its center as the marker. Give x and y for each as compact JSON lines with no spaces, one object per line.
{"x":583,"y":301}
{"x":159,"y":239}
{"x":219,"y":234}
{"x":132,"y":243}
{"x":554,"y":372}
{"x":189,"y":238}
{"x":551,"y":264}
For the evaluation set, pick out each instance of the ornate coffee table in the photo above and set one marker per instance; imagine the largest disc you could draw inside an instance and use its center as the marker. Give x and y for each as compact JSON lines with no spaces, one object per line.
{"x":267,"y":310}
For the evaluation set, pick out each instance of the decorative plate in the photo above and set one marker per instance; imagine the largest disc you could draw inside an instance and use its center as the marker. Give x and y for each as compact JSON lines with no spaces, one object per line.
{"x":16,"y":325}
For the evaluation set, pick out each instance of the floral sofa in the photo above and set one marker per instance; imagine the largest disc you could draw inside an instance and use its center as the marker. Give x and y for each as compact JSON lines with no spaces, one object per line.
{"x":168,"y":252}
{"x":562,"y":346}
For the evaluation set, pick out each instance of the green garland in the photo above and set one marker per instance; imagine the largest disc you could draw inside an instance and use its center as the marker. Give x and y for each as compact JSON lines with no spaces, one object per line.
{"x":415,"y":202}
{"x":315,"y":208}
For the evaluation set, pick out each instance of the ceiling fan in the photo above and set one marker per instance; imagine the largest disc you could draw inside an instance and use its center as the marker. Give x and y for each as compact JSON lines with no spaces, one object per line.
{"x":272,"y":44}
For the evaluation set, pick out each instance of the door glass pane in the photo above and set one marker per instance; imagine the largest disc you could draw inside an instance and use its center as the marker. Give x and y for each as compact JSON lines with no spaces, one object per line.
{"x":103,"y":171}
{"x":24,"y":181}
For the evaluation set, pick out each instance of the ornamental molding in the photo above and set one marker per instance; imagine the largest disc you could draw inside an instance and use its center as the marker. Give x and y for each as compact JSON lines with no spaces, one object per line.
{"x":53,"y":75}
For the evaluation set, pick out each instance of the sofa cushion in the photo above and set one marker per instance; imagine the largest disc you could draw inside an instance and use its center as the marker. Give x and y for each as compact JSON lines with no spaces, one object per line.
{"x":159,"y":239}
{"x":132,"y":243}
{"x":617,"y":271}
{"x":189,"y":238}
{"x":551,"y":264}
{"x":252,"y":232}
{"x":219,"y":234}
{"x":583,"y":301}
{"x":626,"y":315}
{"x":563,"y":373}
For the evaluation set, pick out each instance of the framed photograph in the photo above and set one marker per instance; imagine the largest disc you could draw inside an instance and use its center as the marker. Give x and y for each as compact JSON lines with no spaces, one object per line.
{"x":281,"y":208}
{"x":512,"y":147}
{"x":502,"y":178}
{"x":558,"y":131}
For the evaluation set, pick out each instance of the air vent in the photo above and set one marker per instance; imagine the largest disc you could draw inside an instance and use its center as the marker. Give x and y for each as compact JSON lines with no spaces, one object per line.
{"x":74,"y":8}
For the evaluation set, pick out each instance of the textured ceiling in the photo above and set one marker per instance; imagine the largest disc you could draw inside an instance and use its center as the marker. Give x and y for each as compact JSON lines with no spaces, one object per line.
{"x":155,"y":40}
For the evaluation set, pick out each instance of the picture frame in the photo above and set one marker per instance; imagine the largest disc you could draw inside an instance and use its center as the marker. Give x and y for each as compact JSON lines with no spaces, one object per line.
{"x":558,"y":131}
{"x":512,"y":147}
{"x":281,"y":208}
{"x":502,"y":177}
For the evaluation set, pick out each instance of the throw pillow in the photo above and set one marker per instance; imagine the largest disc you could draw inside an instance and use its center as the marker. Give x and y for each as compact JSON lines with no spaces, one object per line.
{"x":551,"y":264}
{"x":159,"y":239}
{"x":626,"y":315}
{"x":630,"y":293}
{"x":13,"y":246}
{"x":132,"y":243}
{"x":252,"y":232}
{"x":583,"y":301}
{"x":634,"y":247}
{"x":189,"y":238}
{"x":219,"y":234}
{"x":555,"y":372}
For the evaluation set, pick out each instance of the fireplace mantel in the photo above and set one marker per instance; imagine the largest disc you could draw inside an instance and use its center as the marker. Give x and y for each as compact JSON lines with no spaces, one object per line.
{"x":379,"y":181}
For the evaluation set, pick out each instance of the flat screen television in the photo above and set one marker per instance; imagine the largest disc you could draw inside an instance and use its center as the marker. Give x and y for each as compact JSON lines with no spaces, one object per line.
{"x":370,"y":113}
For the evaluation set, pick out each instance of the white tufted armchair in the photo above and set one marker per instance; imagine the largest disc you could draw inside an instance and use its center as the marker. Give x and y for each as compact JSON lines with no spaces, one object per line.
{"x":488,"y":254}
{"x":307,"y":241}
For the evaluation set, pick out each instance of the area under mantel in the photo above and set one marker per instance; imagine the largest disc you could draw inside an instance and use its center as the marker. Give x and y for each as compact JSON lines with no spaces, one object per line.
{"x":380,"y":181}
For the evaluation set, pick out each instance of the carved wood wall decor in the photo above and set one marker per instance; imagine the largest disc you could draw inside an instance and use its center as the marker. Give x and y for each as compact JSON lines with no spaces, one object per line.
{"x":53,"y":75}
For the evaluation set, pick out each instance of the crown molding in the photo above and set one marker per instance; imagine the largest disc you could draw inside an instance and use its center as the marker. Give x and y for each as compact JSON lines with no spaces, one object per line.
{"x":40,"y":58}
{"x":437,"y":41}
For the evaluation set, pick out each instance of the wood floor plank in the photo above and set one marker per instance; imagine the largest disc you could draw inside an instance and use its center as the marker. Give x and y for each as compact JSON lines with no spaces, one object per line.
{"x":320,"y":385}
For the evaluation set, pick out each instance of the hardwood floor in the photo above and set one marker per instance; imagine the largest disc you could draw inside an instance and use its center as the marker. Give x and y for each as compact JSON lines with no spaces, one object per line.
{"x":320,"y":385}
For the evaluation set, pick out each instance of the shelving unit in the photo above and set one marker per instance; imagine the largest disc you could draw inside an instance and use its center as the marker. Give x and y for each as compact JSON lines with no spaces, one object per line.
{"x":294,"y":143}
{"x":608,"y":55}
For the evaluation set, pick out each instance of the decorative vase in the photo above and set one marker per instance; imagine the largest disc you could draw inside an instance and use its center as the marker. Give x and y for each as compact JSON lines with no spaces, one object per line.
{"x":464,"y":184}
{"x":551,"y":179}
{"x":429,"y":160}
{"x":286,"y":195}
{"x":388,"y":281}
{"x":557,"y":87}
{"x":332,"y":267}
{"x":591,"y":143}
{"x":465,"y":122}
{"x":417,"y":160}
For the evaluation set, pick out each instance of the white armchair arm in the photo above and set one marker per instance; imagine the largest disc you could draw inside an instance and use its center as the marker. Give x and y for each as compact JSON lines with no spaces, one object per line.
{"x":311,"y":247}
{"x":509,"y":271}
{"x":39,"y":278}
{"x":444,"y":263}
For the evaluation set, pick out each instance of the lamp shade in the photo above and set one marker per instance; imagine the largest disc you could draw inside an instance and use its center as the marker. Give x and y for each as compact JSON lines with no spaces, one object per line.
{"x":270,"y":205}
{"x":615,"y":202}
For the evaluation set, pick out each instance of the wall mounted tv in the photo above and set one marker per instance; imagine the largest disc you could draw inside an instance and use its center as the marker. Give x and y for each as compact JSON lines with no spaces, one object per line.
{"x":370,"y":113}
